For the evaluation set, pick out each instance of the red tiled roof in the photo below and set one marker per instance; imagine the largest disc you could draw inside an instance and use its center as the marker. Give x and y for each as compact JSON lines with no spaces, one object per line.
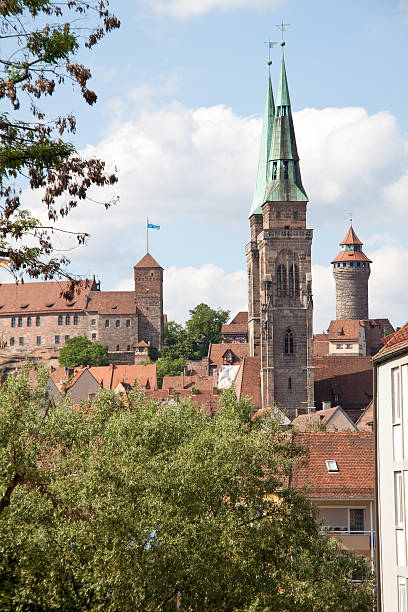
{"x":147,"y":262}
{"x":234,"y":328}
{"x":351,"y":256}
{"x":248,"y":380}
{"x":354,"y":455}
{"x":351,"y":237}
{"x":112,"y":302}
{"x":241,"y":317}
{"x":394,"y":342}
{"x":110,"y":376}
{"x":321,"y":416}
{"x":366,"y":421}
{"x":348,"y":329}
{"x":240,"y":350}
{"x":41,"y":297}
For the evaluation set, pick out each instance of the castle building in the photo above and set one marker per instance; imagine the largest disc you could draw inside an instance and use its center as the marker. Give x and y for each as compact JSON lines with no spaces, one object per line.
{"x":351,"y":271}
{"x":280,"y":307}
{"x":37,"y":316}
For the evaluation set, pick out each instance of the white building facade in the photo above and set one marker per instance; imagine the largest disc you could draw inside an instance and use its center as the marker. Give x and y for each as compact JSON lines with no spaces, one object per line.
{"x":391,"y":427}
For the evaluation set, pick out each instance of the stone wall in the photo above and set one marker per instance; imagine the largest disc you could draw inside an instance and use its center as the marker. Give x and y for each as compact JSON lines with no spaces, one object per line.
{"x":149,"y":300}
{"x":351,"y":292}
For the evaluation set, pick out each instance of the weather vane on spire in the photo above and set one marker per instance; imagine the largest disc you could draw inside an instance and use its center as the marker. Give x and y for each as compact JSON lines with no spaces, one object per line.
{"x":270,"y":46}
{"x":282,"y":27}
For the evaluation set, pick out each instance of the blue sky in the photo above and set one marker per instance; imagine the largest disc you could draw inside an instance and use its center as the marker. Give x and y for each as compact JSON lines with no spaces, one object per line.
{"x":181,"y":90}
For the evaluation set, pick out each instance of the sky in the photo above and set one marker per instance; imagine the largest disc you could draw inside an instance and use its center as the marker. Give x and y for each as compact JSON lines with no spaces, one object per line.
{"x":181,"y":91}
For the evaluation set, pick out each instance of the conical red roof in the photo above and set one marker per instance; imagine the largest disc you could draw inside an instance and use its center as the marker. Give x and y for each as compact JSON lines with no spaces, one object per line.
{"x":147,"y":262}
{"x":351,"y":237}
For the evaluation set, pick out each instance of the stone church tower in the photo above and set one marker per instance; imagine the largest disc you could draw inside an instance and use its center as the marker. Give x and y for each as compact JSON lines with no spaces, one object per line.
{"x":351,"y":270}
{"x":280,"y":304}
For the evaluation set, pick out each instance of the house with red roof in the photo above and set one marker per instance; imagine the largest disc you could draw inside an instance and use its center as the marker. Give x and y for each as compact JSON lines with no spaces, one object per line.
{"x":338,"y":477}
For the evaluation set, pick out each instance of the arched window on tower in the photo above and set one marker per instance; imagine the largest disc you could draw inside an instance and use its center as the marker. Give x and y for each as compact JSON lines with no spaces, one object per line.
{"x":282,"y":280}
{"x":288,"y":342}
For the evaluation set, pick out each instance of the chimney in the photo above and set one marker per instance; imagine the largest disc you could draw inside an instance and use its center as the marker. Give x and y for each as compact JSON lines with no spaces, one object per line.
{"x":326,"y":405}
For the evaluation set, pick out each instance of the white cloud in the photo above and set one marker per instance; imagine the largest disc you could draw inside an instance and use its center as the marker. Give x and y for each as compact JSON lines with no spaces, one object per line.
{"x":347,"y":153}
{"x":396,"y":196}
{"x":186,"y":287}
{"x":324,"y":302}
{"x":192,"y":8}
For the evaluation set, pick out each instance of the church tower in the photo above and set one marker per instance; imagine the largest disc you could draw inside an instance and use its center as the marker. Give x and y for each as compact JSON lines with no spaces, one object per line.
{"x":351,"y":271}
{"x":279,"y":264}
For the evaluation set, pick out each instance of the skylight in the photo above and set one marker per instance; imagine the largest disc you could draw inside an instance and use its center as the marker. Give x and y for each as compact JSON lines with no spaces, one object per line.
{"x":331,"y":465}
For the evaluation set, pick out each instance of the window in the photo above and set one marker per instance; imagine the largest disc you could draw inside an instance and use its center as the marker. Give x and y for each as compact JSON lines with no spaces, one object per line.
{"x":402,"y":594}
{"x":289,"y":382}
{"x":107,"y":323}
{"x":66,"y":338}
{"x":21,"y":341}
{"x":117,"y":347}
{"x":128,"y":347}
{"x":282,"y":281}
{"x":38,"y":320}
{"x":67,"y":319}
{"x":331,"y":465}
{"x":12,"y":341}
{"x":278,"y":214}
{"x":127,"y":322}
{"x":288,"y":342}
{"x":76,"y":319}
{"x":57,"y":339}
{"x":357,"y":520}
{"x":28,"y":321}
{"x":395,"y":391}
{"x":285,"y":170}
{"x":38,"y":340}
{"x":93,"y":321}
{"x":336,"y":397}
{"x":13,"y":321}
{"x":274,"y":170}
{"x":399,"y":500}
{"x":93,"y":336}
{"x":20,"y":321}
{"x":349,"y":346}
{"x":295,"y":215}
{"x":293,"y":280}
{"x":117,"y":323}
{"x":60,"y":320}
{"x":339,"y":346}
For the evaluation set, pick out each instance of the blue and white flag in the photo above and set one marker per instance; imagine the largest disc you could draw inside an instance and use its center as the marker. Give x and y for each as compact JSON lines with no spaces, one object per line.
{"x":151,"y":226}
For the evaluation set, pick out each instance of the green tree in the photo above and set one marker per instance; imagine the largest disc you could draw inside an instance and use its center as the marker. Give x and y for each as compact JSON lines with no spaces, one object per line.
{"x":204,"y":327}
{"x":133,"y":508}
{"x":39,"y":41}
{"x":80,"y":351}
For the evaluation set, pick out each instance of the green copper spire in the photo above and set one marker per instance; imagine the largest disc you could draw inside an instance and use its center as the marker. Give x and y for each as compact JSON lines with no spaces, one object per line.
{"x":264,"y":151}
{"x":284,"y":180}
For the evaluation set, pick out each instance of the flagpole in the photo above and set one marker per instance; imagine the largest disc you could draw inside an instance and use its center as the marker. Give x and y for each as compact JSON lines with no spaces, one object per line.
{"x":147,"y":234}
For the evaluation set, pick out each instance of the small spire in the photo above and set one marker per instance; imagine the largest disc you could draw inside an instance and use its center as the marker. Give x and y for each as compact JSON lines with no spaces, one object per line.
{"x":264,"y":150}
{"x":283,"y":91}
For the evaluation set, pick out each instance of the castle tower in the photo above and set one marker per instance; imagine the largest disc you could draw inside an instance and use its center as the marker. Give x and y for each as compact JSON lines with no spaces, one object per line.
{"x":351,"y":270}
{"x":148,"y":276}
{"x":280,"y":284}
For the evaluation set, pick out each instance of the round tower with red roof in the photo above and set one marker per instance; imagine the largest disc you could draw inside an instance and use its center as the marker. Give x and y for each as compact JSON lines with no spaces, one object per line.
{"x":351,"y":270}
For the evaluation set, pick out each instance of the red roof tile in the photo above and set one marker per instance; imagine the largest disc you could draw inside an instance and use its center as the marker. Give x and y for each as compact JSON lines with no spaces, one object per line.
{"x":351,"y":237}
{"x":341,"y":330}
{"x":351,"y":256}
{"x":110,"y":376}
{"x":239,"y":349}
{"x":41,"y":297}
{"x":112,"y":302}
{"x":303,"y":421}
{"x":394,"y":342}
{"x":248,"y":380}
{"x":147,"y":262}
{"x":354,"y":455}
{"x":241,"y":317}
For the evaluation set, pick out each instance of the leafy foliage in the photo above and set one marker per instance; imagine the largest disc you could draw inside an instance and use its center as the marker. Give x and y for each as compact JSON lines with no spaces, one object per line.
{"x":39,"y":41}
{"x":133,"y":507}
{"x":190,"y":342}
{"x":80,"y":351}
